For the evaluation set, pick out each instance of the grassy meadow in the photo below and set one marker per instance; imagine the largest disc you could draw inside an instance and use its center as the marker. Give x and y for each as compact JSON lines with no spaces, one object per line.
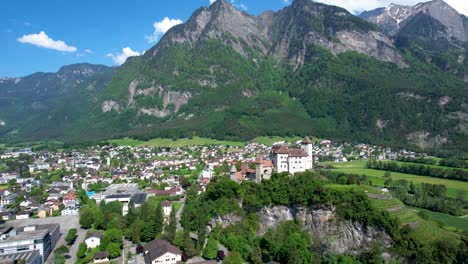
{"x":183,"y":142}
{"x":438,"y":226}
{"x":376,"y":176}
{"x":166,"y":142}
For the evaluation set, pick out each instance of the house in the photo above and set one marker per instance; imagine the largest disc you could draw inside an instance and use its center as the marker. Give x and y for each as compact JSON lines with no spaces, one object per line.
{"x":6,"y":215}
{"x":101,"y":257}
{"x":8,"y":199}
{"x":44,"y":212}
{"x":23,"y":215}
{"x":93,"y":240}
{"x":159,"y":251}
{"x":167,"y":208}
{"x":292,"y":160}
{"x":70,"y":211}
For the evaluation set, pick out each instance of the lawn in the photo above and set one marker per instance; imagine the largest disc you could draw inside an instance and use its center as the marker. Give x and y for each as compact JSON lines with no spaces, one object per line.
{"x":176,"y":206}
{"x":167,"y":142}
{"x":376,"y":176}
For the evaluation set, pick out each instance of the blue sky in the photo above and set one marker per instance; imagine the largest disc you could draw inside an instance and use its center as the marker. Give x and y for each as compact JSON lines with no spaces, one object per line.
{"x":90,"y":29}
{"x":43,"y":35}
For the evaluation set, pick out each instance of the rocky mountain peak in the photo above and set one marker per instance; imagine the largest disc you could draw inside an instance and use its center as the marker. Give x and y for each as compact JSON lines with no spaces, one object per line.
{"x":274,"y":33}
{"x":394,"y":18}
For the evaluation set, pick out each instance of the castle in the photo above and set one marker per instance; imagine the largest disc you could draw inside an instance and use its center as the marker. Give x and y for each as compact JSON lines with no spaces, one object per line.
{"x":281,"y":159}
{"x":292,"y":160}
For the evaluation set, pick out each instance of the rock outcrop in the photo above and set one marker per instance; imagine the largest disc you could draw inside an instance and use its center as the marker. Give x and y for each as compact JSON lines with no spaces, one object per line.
{"x":322,"y":223}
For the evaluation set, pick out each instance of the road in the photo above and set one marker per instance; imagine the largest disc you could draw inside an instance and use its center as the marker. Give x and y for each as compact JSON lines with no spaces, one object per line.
{"x":179,"y":213}
{"x":66,"y":223}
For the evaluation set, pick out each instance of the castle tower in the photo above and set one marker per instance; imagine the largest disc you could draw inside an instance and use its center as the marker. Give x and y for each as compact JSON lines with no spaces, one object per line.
{"x":259,"y":170}
{"x":306,"y":145}
{"x":233,"y":172}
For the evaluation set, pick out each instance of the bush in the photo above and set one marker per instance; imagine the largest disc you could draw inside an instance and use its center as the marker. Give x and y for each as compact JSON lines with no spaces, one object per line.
{"x":71,"y":236}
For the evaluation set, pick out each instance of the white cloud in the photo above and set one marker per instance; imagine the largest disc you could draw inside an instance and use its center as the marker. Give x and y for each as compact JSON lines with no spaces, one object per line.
{"x":357,"y":6}
{"x":161,"y":27}
{"x":243,"y":7}
{"x":88,"y":51}
{"x":42,"y":40}
{"x":212,"y":1}
{"x":120,"y":58}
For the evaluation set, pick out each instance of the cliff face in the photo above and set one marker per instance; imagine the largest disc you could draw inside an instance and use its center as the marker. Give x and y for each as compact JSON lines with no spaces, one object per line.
{"x":322,"y":223}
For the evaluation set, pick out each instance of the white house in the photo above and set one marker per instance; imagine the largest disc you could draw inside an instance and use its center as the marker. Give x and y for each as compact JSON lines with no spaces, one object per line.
{"x":167,"y":208}
{"x":292,"y":160}
{"x":70,"y":211}
{"x":23,"y":215}
{"x":93,"y":240}
{"x":161,"y":252}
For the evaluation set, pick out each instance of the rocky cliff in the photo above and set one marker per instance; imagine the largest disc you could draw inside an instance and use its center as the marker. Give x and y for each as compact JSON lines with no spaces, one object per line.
{"x":322,"y":223}
{"x":395,"y":18}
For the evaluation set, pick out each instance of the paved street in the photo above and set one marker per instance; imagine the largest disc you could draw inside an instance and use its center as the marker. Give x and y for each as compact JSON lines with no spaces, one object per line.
{"x":179,"y":213}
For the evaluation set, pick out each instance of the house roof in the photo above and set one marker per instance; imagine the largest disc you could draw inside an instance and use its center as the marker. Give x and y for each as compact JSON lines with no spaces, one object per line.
{"x":267,"y":163}
{"x":166,"y":204}
{"x":93,"y":234}
{"x":282,"y":150}
{"x":157,"y":248}
{"x":101,"y":255}
{"x":306,"y":140}
{"x":297,"y":153}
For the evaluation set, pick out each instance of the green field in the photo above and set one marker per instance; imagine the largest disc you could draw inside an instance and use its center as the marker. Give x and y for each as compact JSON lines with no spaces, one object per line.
{"x":166,"y":142}
{"x":183,"y":142}
{"x":429,"y":165}
{"x":422,"y":230}
{"x":447,"y":220}
{"x":376,"y":176}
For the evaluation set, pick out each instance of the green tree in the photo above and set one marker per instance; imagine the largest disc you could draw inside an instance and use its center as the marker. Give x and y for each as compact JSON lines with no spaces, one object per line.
{"x":113,"y":249}
{"x":86,"y":217}
{"x":62,"y":250}
{"x":81,"y":253}
{"x":111,"y":236}
{"x":59,"y":259}
{"x":189,"y":246}
{"x":211,"y":249}
{"x":71,"y":236}
{"x":158,"y":220}
{"x":233,"y":257}
{"x":171,"y":227}
{"x":136,"y":230}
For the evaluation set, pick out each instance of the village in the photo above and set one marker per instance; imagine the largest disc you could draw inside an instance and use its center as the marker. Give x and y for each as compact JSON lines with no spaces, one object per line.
{"x":50,"y":188}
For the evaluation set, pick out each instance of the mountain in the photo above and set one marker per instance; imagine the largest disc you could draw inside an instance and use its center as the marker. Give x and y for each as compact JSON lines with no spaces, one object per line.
{"x":42,"y":103}
{"x":395,"y":18}
{"x":309,"y":68}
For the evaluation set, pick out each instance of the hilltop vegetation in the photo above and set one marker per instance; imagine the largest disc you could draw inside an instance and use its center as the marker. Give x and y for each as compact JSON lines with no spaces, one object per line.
{"x":288,"y":241}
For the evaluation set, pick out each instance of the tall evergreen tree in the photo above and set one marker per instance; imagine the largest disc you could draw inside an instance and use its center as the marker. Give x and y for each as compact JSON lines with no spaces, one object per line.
{"x":158,"y":220}
{"x":171,"y":227}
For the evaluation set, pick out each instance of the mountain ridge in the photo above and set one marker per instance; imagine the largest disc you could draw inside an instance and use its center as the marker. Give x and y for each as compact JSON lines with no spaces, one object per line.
{"x":306,"y":69}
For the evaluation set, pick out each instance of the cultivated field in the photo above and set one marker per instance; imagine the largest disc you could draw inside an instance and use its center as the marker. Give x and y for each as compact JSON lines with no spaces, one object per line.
{"x":376,"y":176}
{"x":424,"y":230}
{"x":167,"y":142}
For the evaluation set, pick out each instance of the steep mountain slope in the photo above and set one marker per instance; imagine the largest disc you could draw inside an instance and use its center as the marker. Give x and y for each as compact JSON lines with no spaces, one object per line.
{"x":306,"y":69}
{"x":432,"y":31}
{"x":42,"y":103}
{"x":395,"y":17}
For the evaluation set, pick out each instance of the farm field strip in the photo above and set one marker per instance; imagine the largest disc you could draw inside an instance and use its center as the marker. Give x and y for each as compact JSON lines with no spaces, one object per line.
{"x":376,"y":176}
